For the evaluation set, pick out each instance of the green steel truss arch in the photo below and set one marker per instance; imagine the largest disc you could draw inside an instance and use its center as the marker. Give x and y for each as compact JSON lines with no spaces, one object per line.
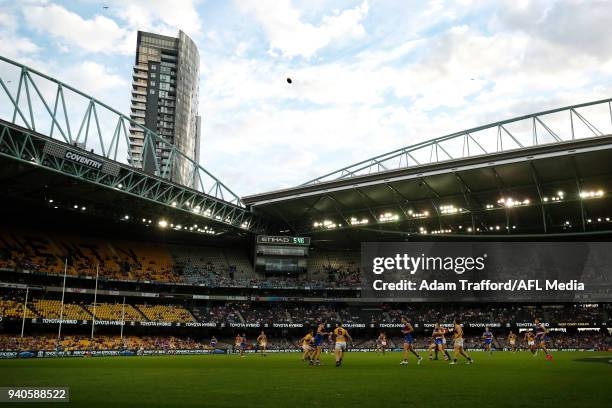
{"x":43,"y":104}
{"x":591,"y":119}
{"x":37,"y":110}
{"x":30,"y":147}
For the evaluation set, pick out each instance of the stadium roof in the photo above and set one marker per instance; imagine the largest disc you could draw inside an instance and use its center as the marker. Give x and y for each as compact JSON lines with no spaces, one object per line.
{"x":554,"y":181}
{"x":46,"y":123}
{"x":35,"y":196}
{"x":543,"y":173}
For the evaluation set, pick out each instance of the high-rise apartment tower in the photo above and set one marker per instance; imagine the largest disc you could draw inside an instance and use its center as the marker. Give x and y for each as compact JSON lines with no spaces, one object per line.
{"x":165,"y":100}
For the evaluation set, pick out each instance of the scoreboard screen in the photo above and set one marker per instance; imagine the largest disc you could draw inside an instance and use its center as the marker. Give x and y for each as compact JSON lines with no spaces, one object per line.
{"x":282,"y":240}
{"x":281,"y":254}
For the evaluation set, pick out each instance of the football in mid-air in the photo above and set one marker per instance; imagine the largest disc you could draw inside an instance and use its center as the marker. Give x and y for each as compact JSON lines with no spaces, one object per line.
{"x":289,"y":80}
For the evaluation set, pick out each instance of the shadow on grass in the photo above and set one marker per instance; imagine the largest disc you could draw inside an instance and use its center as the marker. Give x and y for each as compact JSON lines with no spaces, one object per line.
{"x":599,"y":359}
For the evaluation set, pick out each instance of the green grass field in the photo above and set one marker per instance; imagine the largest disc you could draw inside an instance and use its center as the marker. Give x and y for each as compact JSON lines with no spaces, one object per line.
{"x":282,"y":380}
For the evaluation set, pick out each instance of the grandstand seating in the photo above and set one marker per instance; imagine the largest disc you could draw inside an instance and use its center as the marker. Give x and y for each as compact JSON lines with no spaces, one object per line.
{"x":314,"y":313}
{"x":123,"y":260}
{"x":335,"y":266}
{"x":70,"y":343}
{"x":14,"y":309}
{"x":153,"y":262}
{"x":115,"y":311}
{"x":51,"y":309}
{"x":275,"y":312}
{"x":116,"y":259}
{"x":198,"y":266}
{"x":11,"y":307}
{"x":239,"y":261}
{"x":139,"y":261}
{"x":357,"y":315}
{"x":219,"y":314}
{"x":207,"y":265}
{"x":49,"y":342}
{"x":166,"y":313}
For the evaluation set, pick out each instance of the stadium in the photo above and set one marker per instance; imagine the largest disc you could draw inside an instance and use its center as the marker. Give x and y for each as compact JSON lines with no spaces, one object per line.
{"x":115,"y":279}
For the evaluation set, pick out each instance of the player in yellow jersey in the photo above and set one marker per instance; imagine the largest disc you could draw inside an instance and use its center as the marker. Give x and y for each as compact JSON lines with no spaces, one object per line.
{"x":458,"y":343}
{"x":262,"y":343}
{"x":237,"y":341}
{"x":512,"y":341}
{"x":307,"y":346}
{"x":341,"y":337}
{"x":530,"y":339}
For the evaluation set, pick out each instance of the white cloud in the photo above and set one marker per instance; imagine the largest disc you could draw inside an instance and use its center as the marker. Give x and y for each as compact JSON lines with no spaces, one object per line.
{"x":113,"y":31}
{"x":94,"y":79}
{"x":8,"y":21}
{"x":13,"y":45}
{"x":580,"y":26}
{"x":336,"y":113}
{"x":16,"y":47}
{"x":291,"y":36}
{"x":98,"y":34}
{"x":162,"y":16}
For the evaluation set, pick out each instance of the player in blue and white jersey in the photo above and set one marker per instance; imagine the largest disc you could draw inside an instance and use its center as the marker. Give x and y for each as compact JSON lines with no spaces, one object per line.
{"x":318,"y":343}
{"x":540,"y":338}
{"x":488,"y":340}
{"x":407,"y":331}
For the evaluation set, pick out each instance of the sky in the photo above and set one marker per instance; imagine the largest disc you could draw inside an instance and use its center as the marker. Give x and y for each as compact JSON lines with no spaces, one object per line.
{"x":369,"y":76}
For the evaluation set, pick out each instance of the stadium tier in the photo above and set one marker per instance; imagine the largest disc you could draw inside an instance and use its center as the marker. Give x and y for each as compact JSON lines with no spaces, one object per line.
{"x":164,"y":313}
{"x":52,"y":309}
{"x":122,"y":260}
{"x":299,"y":314}
{"x":334,"y":266}
{"x":71,"y":343}
{"x":153,"y":262}
{"x":116,"y":259}
{"x":115,"y":311}
{"x":10,"y":308}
